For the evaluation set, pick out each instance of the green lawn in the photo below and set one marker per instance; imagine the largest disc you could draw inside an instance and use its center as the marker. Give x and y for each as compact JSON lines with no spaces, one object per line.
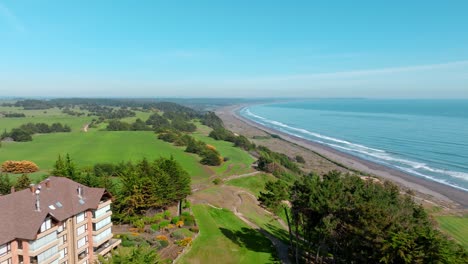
{"x":456,"y":227}
{"x":239,"y":160}
{"x":255,"y":184}
{"x":224,"y":238}
{"x":98,"y":146}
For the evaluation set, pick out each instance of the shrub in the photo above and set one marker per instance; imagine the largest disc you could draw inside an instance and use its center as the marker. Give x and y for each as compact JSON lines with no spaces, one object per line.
{"x":186,"y":205}
{"x":128,"y":243}
{"x":161,"y":238}
{"x":16,"y":167}
{"x":189,"y":221}
{"x":175,"y":219}
{"x":155,"y":227}
{"x":184,"y":242}
{"x":167,"y":214}
{"x":163,"y":243}
{"x":180,"y":224}
{"x":300,"y":159}
{"x":163,"y":224}
{"x":139,"y":224}
{"x":181,"y":233}
{"x":217,"y":181}
{"x":170,"y":226}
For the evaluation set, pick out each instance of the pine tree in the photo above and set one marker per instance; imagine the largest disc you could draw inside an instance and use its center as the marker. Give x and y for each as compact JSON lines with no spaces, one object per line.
{"x":5,"y":184}
{"x":23,"y":182}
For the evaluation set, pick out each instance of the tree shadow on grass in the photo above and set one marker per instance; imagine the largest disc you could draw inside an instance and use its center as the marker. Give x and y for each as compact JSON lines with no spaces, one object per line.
{"x":279,"y":233}
{"x":249,"y":238}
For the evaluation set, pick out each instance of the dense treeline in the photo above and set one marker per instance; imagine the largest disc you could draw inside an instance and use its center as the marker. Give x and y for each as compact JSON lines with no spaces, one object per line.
{"x":344,"y":219}
{"x":13,"y":115}
{"x":143,"y":185}
{"x":32,"y":104}
{"x":209,"y":155}
{"x":138,"y":125}
{"x":25,"y":131}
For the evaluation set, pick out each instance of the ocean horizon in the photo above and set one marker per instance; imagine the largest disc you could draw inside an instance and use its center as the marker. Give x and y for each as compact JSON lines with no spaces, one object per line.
{"x":426,"y":138}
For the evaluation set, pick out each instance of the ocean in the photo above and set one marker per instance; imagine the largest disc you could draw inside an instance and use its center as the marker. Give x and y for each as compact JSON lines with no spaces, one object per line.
{"x":424,"y":138}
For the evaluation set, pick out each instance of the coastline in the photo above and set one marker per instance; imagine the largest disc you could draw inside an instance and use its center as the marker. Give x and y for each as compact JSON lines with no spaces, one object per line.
{"x":428,"y":190}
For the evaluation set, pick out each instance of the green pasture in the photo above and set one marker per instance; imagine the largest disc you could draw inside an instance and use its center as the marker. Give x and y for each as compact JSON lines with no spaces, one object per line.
{"x":47,"y":116}
{"x":224,"y":238}
{"x":239,"y":160}
{"x":93,"y":147}
{"x":254,"y":184}
{"x":456,"y":227}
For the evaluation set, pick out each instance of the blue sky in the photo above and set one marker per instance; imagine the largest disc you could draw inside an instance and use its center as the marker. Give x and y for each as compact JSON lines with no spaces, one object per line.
{"x":234,"y":48}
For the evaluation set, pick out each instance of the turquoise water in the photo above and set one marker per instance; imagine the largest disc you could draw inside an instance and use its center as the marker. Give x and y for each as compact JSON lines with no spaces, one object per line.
{"x":424,"y":138}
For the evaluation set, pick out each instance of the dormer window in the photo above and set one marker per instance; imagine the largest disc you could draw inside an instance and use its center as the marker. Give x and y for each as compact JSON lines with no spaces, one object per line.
{"x":46,"y":225}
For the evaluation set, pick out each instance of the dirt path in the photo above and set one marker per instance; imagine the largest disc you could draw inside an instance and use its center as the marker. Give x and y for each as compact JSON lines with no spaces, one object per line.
{"x":242,"y":175}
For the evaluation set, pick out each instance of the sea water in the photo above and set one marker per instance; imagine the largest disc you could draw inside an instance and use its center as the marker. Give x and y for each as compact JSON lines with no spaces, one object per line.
{"x":424,"y":138}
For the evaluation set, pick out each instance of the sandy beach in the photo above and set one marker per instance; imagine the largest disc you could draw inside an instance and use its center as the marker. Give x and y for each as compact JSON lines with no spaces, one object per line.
{"x":320,"y":159}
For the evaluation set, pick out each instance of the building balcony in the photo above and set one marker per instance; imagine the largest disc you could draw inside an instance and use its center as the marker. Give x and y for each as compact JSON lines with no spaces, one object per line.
{"x":33,"y":260}
{"x":102,"y":229}
{"x":107,"y":247}
{"x":5,"y":257}
{"x":102,"y":216}
{"x":45,"y":247}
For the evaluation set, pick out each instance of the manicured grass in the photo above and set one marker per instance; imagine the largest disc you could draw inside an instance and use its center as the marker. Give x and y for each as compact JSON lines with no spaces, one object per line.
{"x":224,"y":238}
{"x":87,"y":149}
{"x":255,"y":184}
{"x":456,"y":227}
{"x":239,"y":160}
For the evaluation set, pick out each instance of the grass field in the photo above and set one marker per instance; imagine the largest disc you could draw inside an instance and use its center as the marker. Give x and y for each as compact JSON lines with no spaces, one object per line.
{"x":239,"y":160}
{"x":48,"y":116}
{"x":224,"y":238}
{"x":254,"y":184}
{"x":456,"y":227}
{"x":89,"y":148}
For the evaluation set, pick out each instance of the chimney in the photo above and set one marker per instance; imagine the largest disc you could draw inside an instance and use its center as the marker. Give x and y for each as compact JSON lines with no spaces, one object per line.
{"x":38,"y":204}
{"x":32,"y":187}
{"x":80,"y":191}
{"x":47,"y":183}
{"x":12,"y":190}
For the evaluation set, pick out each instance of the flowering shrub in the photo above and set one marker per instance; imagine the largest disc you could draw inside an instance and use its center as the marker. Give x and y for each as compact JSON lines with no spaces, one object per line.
{"x":161,"y":237}
{"x":184,"y":242}
{"x":24,"y":166}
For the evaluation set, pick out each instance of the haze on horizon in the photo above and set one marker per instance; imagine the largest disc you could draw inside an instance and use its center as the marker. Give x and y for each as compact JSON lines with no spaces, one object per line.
{"x":415,"y":49}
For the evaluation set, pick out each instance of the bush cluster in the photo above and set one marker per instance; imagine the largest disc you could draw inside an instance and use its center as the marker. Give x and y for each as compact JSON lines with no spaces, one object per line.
{"x":24,"y":166}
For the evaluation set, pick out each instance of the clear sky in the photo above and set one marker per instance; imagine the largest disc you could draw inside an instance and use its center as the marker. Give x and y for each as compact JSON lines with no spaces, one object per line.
{"x":239,"y":48}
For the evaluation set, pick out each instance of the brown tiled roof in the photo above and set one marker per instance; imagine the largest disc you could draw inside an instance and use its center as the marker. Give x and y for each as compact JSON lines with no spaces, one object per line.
{"x":18,"y":215}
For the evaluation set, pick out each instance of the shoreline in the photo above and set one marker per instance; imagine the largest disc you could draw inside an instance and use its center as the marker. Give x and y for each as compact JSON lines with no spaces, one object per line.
{"x":429,"y":190}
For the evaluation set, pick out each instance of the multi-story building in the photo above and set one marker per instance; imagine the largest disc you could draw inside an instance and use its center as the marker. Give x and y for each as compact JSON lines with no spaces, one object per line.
{"x":56,"y":221}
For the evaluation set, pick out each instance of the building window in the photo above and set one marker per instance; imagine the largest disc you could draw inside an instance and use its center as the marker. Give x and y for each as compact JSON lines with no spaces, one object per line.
{"x":82,"y":242}
{"x":80,"y":230}
{"x":80,"y":217}
{"x":46,"y":225}
{"x":63,"y":253}
{"x":64,"y":239}
{"x":5,"y":249}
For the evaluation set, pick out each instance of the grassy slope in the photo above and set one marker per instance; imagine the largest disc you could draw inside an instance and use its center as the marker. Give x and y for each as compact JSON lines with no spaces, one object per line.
{"x":98,"y":146}
{"x":239,"y":161}
{"x":254,"y":184}
{"x":226,"y":239}
{"x":455,"y":226}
